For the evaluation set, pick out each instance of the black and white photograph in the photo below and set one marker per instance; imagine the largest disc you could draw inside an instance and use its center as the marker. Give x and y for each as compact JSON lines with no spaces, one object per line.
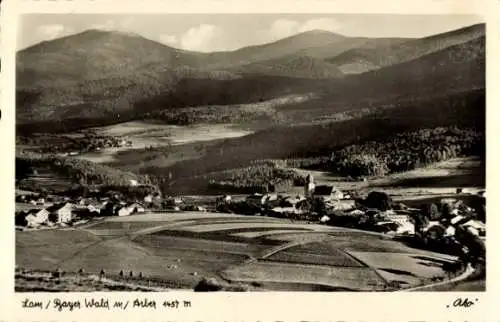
{"x":250,"y":152}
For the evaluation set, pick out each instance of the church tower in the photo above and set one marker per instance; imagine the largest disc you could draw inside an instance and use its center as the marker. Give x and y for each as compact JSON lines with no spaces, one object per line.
{"x":309,"y":186}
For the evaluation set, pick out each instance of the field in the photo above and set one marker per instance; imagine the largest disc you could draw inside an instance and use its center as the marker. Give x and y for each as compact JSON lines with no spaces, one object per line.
{"x":144,"y":134}
{"x":264,"y":253}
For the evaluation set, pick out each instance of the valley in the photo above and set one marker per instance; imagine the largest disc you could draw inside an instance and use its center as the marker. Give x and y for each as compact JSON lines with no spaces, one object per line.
{"x":183,"y":167}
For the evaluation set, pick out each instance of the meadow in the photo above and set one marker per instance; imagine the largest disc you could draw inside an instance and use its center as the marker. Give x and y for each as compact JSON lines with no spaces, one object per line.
{"x":182,"y":248}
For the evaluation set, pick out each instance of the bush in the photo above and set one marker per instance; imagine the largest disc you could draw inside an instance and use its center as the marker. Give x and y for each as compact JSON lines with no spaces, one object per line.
{"x":208,"y":285}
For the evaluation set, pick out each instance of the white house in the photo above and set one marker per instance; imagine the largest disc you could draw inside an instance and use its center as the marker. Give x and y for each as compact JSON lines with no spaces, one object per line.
{"x":294,"y":200}
{"x":399,"y":219}
{"x":225,"y":198}
{"x":92,"y":208}
{"x":123,"y":211}
{"x":328,"y":193}
{"x":257,"y":198}
{"x":324,"y":219}
{"x":37,"y":217}
{"x":271,"y":197}
{"x":135,"y":207}
{"x":61,"y":213}
{"x":148,"y":199}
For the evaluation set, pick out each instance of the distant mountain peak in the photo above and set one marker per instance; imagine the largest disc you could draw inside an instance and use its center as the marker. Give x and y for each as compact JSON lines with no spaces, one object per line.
{"x":110,"y":32}
{"x":318,"y":32}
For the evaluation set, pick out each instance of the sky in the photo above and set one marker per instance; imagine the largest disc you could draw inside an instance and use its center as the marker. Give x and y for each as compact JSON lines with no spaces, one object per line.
{"x":222,"y":32}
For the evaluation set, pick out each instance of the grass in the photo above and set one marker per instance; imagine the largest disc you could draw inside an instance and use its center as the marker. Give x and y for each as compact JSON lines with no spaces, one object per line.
{"x":412,"y":265}
{"x":44,"y":282}
{"x":48,"y":256}
{"x":345,"y":277}
{"x":339,"y":260}
{"x":39,"y":238}
{"x":188,"y":246}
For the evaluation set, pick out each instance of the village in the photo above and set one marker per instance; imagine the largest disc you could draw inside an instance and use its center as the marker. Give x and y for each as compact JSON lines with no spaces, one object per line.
{"x":75,"y":145}
{"x":449,"y":226}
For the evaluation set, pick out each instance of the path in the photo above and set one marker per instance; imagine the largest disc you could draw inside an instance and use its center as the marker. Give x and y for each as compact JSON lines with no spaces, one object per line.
{"x":469,"y":270}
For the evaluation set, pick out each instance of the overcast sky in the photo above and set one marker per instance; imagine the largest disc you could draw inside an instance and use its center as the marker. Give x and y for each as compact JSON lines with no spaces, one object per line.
{"x":217,"y":32}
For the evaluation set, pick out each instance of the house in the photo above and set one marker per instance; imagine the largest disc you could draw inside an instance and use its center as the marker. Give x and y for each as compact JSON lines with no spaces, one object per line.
{"x":93,"y":209}
{"x":177,"y":200}
{"x":292,"y":201}
{"x":123,"y":211}
{"x":327,"y":193}
{"x":397,"y":218}
{"x":406,"y":228}
{"x":450,"y":231}
{"x":282,"y":212}
{"x":224,"y":199}
{"x":109,"y":208}
{"x":356,"y":212}
{"x":148,"y":198}
{"x":257,"y":199}
{"x":343,"y":205}
{"x":404,"y":223}
{"x":61,"y":213}
{"x":271,"y":197}
{"x":478,"y":227}
{"x":286,"y":210}
{"x":135,"y":207}
{"x":324,"y":219}
{"x":40,"y":201}
{"x":386,"y":226}
{"x":32,"y":218}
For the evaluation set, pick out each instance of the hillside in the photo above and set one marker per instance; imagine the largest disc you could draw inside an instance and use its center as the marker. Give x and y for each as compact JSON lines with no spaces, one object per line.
{"x":329,"y":50}
{"x":283,"y":47}
{"x":456,"y":68}
{"x":292,"y":141}
{"x":362,"y":59}
{"x":292,"y":66}
{"x":98,"y":78}
{"x":95,"y":77}
{"x":93,"y":54}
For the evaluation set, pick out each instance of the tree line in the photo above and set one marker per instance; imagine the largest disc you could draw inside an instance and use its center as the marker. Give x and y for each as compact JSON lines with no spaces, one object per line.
{"x":407,"y":151}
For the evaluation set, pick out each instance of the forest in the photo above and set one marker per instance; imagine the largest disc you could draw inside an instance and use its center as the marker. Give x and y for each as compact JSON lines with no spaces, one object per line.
{"x":399,"y":153}
{"x":261,"y":176}
{"x":77,"y":170}
{"x":407,"y":151}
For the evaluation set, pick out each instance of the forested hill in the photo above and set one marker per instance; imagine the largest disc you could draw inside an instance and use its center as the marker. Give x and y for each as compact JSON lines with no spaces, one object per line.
{"x":97,"y":78}
{"x":407,"y":151}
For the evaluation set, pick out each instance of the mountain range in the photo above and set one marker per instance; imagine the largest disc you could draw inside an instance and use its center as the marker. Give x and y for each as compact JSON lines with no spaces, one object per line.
{"x":95,"y":76}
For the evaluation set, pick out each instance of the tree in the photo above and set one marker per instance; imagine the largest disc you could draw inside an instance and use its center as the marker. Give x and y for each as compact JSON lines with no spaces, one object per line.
{"x":447,"y":210}
{"x":434,"y":212}
{"x":431,"y":211}
{"x":378,"y":200}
